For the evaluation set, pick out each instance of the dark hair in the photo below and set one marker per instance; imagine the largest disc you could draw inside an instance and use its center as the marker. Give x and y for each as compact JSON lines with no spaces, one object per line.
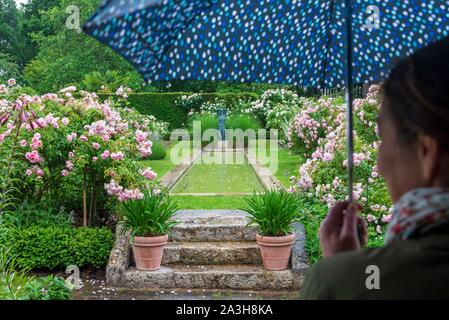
{"x":416,"y":94}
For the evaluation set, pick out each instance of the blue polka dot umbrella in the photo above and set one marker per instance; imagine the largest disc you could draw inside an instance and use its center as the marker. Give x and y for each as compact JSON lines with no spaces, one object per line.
{"x":312,"y":43}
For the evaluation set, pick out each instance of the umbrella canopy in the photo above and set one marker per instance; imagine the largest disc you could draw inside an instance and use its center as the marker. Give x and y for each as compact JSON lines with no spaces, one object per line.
{"x":274,"y":41}
{"x":314,"y":43}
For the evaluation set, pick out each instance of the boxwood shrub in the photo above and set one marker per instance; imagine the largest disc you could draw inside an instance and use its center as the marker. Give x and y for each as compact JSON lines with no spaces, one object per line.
{"x":53,"y":247}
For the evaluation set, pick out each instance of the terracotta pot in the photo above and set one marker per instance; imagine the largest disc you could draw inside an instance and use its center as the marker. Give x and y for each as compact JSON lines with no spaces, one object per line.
{"x":148,"y":252}
{"x":275,"y":251}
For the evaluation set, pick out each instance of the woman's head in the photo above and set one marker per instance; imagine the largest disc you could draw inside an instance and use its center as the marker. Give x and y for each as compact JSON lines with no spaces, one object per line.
{"x":414,"y":122}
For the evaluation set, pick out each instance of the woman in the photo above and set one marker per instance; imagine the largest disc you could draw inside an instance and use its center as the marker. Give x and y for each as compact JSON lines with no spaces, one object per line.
{"x":413,"y":158}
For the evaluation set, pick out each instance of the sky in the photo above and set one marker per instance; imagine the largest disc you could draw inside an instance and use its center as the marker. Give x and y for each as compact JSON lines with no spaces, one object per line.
{"x":18,"y":2}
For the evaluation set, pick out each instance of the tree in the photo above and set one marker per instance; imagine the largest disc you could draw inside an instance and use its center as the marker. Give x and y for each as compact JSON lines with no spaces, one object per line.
{"x":8,"y":68}
{"x":33,"y":23}
{"x":9,"y":22}
{"x":66,"y":56}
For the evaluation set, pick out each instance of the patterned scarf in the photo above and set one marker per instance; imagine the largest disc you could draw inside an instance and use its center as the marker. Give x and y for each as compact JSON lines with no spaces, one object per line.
{"x":423,"y":208}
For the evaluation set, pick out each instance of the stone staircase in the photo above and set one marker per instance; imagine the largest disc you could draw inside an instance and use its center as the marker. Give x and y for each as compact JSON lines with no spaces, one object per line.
{"x":209,"y":249}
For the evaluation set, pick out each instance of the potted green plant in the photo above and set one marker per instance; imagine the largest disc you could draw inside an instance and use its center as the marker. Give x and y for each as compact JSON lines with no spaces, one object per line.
{"x":149,"y":220}
{"x":274,"y":212}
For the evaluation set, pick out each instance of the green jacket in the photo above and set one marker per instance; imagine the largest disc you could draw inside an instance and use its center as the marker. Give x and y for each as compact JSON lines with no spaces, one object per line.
{"x":417,"y":268}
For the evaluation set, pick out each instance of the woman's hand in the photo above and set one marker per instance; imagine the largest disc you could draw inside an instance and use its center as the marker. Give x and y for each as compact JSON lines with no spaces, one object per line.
{"x":339,"y":230}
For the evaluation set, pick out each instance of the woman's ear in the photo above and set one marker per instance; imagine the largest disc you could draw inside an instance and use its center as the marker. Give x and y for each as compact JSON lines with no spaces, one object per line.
{"x":429,"y":156}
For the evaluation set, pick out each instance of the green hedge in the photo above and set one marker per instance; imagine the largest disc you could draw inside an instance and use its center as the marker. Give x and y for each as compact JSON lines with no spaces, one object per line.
{"x":58,"y":247}
{"x":163,"y":106}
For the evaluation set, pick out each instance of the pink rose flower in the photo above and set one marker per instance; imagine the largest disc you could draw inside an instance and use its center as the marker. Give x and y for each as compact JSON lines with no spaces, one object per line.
{"x":327,"y":156}
{"x":113,"y":188}
{"x":69,"y":165}
{"x":71,"y":137}
{"x":39,"y":172}
{"x":149,"y":174}
{"x":97,"y":128}
{"x":23,"y":143}
{"x":33,"y":156}
{"x":386,"y":218}
{"x":65,"y":121}
{"x":65,"y":173}
{"x":141,"y":136}
{"x":94,"y":159}
{"x":117,"y":155}
{"x":36,"y":143}
{"x":105,"y":154}
{"x":11,"y":82}
{"x":83,"y":138}
{"x":96,"y":146}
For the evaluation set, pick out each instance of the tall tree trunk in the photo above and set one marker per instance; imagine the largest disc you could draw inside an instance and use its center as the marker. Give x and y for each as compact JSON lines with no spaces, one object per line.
{"x":92,"y":198}
{"x":85,"y":199}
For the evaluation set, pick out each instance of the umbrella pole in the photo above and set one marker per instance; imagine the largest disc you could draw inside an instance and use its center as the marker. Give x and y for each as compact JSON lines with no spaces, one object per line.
{"x":349,"y":99}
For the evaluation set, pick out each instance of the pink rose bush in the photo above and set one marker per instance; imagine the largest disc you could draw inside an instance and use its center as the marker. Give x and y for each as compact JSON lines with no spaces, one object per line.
{"x":317,"y":133}
{"x":55,"y":144}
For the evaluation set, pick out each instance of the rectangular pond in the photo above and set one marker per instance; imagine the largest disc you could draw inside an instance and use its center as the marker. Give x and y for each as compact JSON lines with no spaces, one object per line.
{"x":219,"y":173}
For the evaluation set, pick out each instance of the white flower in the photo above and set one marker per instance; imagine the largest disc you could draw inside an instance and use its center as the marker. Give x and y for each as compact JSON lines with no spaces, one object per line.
{"x":68,"y":89}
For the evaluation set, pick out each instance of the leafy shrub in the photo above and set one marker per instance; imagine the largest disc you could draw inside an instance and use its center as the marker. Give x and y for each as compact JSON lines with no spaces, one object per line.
{"x":274,"y":212}
{"x":48,"y":288}
{"x":58,"y":247}
{"x":109,"y":80}
{"x":29,"y":214}
{"x":190,"y":102}
{"x":13,"y":278}
{"x":17,"y":284}
{"x":57,"y":146}
{"x":158,"y":150}
{"x":207,"y":122}
{"x":320,"y":132}
{"x":242,"y":122}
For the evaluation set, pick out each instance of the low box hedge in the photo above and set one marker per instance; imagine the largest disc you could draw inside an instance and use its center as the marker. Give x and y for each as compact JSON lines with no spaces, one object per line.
{"x":53,"y":247}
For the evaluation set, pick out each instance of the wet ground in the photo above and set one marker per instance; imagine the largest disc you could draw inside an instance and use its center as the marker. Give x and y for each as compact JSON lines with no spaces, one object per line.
{"x":94,"y":288}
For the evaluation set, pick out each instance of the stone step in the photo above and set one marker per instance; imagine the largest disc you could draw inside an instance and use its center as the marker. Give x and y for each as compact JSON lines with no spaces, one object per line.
{"x":213,"y":225}
{"x":234,"y":277}
{"x":207,"y":253}
{"x":217,"y":250}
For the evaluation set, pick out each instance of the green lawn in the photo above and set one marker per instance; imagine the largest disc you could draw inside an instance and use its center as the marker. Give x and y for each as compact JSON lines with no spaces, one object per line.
{"x":230,"y":177}
{"x":162,"y":166}
{"x":209,"y":202}
{"x":287,"y":165}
